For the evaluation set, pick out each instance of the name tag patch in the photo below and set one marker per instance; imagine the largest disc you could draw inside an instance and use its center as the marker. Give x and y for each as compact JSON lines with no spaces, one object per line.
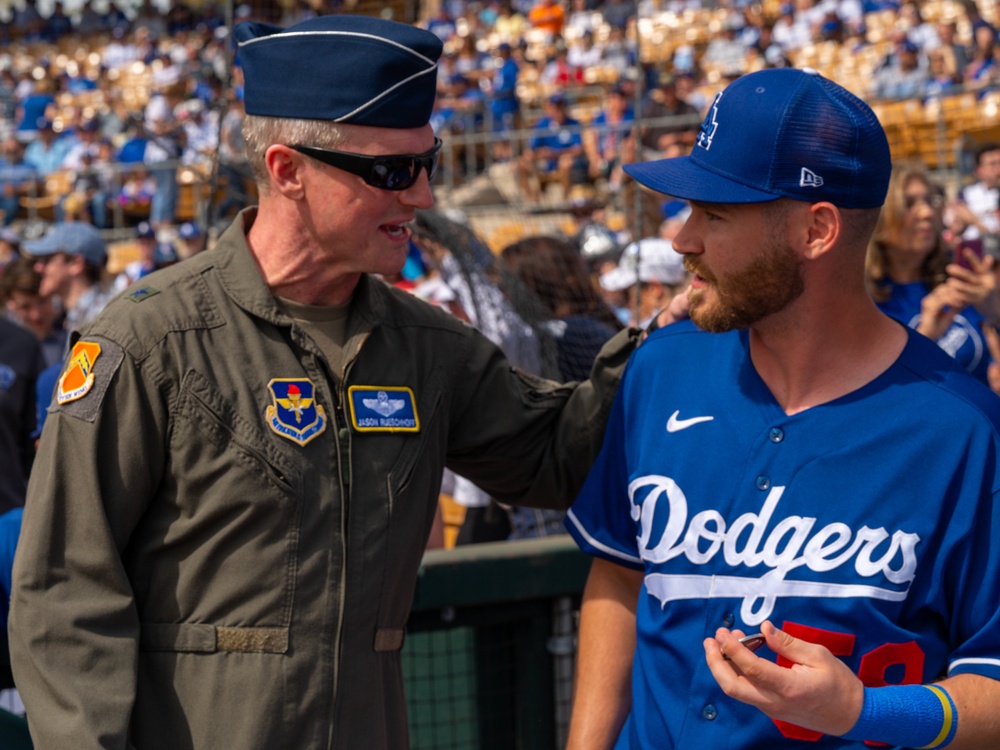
{"x":294,"y":413}
{"x":377,"y":408}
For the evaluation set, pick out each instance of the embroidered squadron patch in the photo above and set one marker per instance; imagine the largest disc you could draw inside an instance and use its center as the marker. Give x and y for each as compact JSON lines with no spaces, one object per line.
{"x":294,"y":413}
{"x":78,"y":377}
{"x":377,"y":408}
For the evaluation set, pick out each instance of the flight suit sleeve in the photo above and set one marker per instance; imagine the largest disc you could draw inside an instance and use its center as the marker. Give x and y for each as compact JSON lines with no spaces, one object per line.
{"x":531,"y":441}
{"x":74,"y":628}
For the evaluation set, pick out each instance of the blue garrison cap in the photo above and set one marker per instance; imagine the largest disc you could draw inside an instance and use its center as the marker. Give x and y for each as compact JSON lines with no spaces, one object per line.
{"x":350,"y":69}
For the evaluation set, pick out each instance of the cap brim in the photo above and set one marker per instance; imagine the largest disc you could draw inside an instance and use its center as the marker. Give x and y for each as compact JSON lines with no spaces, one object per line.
{"x":682,"y":177}
{"x":40,"y":247}
{"x":618,"y":279}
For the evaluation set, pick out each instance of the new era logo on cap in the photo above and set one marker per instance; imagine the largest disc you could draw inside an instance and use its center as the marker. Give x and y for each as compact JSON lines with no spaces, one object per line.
{"x":810,"y":179}
{"x":780,"y":133}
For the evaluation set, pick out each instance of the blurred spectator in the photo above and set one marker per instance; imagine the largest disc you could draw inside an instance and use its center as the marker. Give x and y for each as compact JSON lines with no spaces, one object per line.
{"x":92,"y":187}
{"x":574,"y":312}
{"x":666,"y":139}
{"x":441,"y":24}
{"x":981,"y":71}
{"x":902,"y":77}
{"x":609,"y":140}
{"x":649,"y":273}
{"x":20,"y":364}
{"x":147,"y":244}
{"x":10,"y":244}
{"x":574,"y":315}
{"x":164,"y":145}
{"x":47,"y":152}
{"x":558,"y":73}
{"x":923,"y":34}
{"x":912,"y":279}
{"x":726,"y":52}
{"x":17,"y":179}
{"x":502,"y":91}
{"x":190,"y":240}
{"x":510,"y":24}
{"x":88,"y":138}
{"x":232,"y":161}
{"x":617,"y":13}
{"x":556,"y":146}
{"x":201,"y":133}
{"x":71,"y":257}
{"x":547,"y":16}
{"x":943,"y":78}
{"x":20,"y":284}
{"x":977,"y":211}
{"x":10,"y":529}
{"x":120,"y":51}
{"x":8,"y":101}
{"x":791,"y":30}
{"x":956,"y":54}
{"x":585,"y":54}
{"x":34,"y":109}
{"x":582,"y":20}
{"x":136,"y":193}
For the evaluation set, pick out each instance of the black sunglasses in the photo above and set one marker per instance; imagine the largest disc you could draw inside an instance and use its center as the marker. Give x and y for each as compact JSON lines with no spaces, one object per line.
{"x":389,"y":172}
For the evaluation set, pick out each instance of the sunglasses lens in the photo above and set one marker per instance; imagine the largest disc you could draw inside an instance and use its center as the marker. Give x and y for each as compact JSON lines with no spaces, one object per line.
{"x":394,"y":174}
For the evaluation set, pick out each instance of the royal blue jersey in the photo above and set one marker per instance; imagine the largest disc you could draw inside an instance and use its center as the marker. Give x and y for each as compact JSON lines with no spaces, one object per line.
{"x":863,"y":524}
{"x":964,"y":338}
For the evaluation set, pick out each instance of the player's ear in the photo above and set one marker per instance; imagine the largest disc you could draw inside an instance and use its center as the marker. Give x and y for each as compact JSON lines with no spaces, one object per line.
{"x":284,"y":166}
{"x":823,"y":229}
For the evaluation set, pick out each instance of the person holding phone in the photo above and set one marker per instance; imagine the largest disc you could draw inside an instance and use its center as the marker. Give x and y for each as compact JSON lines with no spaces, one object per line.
{"x":915,"y":278}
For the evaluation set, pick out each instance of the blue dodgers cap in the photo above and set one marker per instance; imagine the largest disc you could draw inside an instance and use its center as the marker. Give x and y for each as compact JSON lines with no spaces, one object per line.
{"x":72,"y":238}
{"x":350,"y":69}
{"x":780,"y":133}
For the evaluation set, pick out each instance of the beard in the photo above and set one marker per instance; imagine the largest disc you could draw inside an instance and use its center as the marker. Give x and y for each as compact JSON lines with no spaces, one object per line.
{"x":768,"y":284}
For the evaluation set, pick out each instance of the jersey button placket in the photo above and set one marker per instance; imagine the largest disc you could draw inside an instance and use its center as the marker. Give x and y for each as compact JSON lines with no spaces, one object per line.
{"x":776,"y":435}
{"x":763,"y":483}
{"x":710,"y":712}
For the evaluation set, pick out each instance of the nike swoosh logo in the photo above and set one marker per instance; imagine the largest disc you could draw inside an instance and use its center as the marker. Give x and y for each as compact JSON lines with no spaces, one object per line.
{"x":676,"y":425}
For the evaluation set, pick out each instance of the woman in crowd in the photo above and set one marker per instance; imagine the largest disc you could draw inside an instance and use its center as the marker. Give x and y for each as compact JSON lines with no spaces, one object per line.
{"x":916,"y":278}
{"x":575,"y":314}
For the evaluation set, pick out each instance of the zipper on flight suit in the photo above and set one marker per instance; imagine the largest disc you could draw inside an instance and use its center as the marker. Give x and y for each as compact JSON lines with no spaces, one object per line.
{"x":344,"y":456}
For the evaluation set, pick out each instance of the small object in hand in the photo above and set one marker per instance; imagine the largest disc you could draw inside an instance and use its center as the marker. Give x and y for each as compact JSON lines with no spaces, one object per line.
{"x":752,"y":642}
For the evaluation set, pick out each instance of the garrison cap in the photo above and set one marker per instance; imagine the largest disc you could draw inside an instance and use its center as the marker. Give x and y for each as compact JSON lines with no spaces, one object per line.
{"x":343,"y":68}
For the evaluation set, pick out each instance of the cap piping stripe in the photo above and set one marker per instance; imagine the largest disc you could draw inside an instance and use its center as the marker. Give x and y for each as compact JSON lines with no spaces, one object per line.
{"x":385,"y":93}
{"x":285,"y":35}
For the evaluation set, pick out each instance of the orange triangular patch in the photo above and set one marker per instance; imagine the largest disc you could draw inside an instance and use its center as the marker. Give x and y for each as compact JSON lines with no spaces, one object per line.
{"x":78,"y":377}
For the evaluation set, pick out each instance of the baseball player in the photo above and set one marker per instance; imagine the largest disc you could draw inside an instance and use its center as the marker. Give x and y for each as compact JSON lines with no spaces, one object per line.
{"x":792,"y":463}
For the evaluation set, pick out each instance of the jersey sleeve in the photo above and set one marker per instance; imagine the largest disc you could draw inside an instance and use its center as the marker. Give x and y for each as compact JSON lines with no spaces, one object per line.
{"x":600,"y":518}
{"x":74,"y":627}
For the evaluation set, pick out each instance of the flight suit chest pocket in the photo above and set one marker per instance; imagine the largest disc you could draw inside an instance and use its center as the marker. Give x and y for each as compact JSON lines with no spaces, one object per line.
{"x":235,"y":516}
{"x":219,"y":431}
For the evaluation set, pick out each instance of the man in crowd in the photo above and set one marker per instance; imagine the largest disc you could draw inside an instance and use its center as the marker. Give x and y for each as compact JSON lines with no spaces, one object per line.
{"x":264,"y":429}
{"x":556,"y":146}
{"x":778,"y":469}
{"x":70,"y":256}
{"x":978,"y":207}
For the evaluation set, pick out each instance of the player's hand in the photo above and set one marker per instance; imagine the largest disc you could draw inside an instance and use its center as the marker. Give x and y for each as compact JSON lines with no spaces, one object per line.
{"x":818,"y":692}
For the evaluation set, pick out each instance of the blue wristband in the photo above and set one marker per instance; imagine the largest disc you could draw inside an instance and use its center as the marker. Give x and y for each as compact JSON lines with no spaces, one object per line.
{"x":921,"y":716}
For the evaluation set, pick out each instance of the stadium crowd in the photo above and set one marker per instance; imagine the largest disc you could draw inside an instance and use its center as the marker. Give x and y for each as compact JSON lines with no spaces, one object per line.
{"x":116,"y":131}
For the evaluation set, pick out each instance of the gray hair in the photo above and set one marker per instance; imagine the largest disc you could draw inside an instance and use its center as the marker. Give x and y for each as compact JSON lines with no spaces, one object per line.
{"x":261,"y":132}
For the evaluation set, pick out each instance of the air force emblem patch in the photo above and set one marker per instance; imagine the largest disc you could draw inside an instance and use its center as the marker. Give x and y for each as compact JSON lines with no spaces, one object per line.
{"x":294,"y":413}
{"x":383,"y":409}
{"x":78,"y":377}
